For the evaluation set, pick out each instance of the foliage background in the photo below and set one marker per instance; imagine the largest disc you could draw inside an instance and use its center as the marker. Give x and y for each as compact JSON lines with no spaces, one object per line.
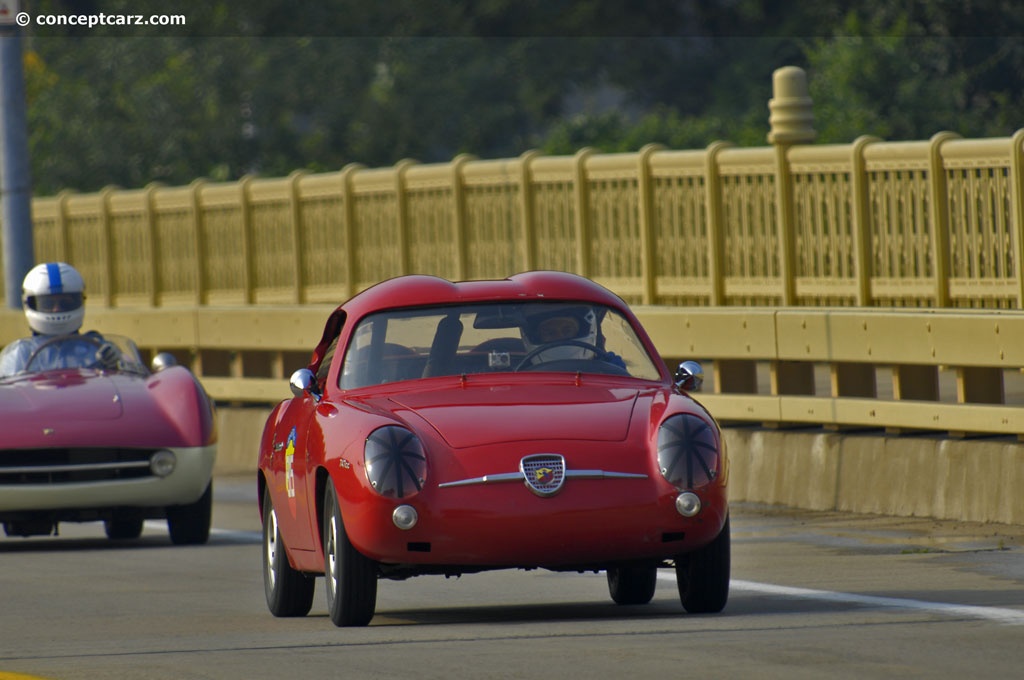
{"x":267,"y":87}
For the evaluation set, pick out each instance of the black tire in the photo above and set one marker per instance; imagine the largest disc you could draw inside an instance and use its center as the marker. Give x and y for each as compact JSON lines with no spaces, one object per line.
{"x":190,"y":524}
{"x":289,"y":592}
{"x":632,"y":585}
{"x":703,"y":575}
{"x":351,"y":577}
{"x":123,"y":527}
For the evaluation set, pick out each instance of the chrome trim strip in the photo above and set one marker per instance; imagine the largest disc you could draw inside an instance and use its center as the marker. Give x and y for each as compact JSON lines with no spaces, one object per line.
{"x":603,"y":474}
{"x":30,"y":469}
{"x":486,"y":479}
{"x":518,"y":477}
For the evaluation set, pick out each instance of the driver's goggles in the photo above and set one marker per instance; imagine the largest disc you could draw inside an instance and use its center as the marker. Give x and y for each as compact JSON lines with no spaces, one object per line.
{"x":54,"y":302}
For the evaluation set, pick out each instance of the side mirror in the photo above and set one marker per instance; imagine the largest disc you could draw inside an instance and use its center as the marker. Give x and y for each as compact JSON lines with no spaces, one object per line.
{"x":161,"y":361}
{"x":689,"y":376}
{"x":304,"y":382}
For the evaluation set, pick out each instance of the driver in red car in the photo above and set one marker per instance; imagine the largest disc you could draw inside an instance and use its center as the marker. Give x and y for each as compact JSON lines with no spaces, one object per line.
{"x":573,"y":332}
{"x":53,"y":297}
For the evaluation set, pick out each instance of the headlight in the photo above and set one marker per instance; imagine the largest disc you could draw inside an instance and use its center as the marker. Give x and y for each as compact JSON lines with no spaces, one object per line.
{"x":688,"y":451}
{"x":162,"y":463}
{"x":396,"y":464}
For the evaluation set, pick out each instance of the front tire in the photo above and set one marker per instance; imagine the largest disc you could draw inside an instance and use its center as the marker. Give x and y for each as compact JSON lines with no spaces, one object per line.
{"x":123,"y":527}
{"x":632,"y":585}
{"x":289,"y":592}
{"x":351,"y":577}
{"x":703,"y":575}
{"x":190,"y":524}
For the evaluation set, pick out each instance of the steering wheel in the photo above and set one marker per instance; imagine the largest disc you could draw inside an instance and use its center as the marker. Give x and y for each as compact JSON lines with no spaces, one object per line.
{"x":57,"y":339}
{"x":598,"y":352}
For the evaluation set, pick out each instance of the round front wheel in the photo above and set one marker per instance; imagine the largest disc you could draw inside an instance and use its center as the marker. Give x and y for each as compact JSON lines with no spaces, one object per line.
{"x":190,"y":524}
{"x":289,"y":592}
{"x":351,"y":577}
{"x":632,"y":585}
{"x":703,"y":575}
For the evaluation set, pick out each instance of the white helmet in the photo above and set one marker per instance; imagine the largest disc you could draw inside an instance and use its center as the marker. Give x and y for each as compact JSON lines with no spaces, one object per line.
{"x":554,"y":323}
{"x":53,"y":296}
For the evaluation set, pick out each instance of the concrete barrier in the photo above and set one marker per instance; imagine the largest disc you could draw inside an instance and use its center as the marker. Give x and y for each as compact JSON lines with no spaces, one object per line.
{"x":904,"y":476}
{"x":238,"y":445}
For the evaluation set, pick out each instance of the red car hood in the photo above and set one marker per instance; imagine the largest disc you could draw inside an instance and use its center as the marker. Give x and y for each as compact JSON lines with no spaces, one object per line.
{"x":61,"y":397}
{"x":478,"y":416}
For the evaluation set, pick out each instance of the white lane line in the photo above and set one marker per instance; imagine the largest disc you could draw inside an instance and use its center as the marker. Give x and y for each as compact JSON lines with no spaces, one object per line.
{"x":1011,"y":617}
{"x":238,"y":536}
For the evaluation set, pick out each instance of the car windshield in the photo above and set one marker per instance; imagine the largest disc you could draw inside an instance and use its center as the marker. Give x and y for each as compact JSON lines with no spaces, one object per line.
{"x":72,"y":351}
{"x":408,"y":344}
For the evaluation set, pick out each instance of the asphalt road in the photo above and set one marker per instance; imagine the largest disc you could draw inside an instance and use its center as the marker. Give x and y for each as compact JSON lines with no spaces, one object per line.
{"x":814,"y":595}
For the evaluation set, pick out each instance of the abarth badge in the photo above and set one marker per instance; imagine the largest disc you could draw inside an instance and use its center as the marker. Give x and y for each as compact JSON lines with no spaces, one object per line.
{"x":544,"y":473}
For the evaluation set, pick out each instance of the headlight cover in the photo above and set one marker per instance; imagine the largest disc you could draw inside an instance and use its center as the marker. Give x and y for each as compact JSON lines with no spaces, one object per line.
{"x":396,"y":464}
{"x":688,"y":451}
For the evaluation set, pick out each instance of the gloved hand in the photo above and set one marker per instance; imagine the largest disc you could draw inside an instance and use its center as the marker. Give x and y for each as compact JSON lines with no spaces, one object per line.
{"x":614,"y":359}
{"x":107,"y":355}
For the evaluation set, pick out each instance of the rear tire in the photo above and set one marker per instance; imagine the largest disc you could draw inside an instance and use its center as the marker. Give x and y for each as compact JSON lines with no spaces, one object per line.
{"x":703,"y":575}
{"x":289,"y":592}
{"x":632,"y":585}
{"x":190,"y":524}
{"x":351,"y":577}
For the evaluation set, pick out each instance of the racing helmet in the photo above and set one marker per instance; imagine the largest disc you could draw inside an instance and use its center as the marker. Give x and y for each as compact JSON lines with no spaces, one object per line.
{"x":546,"y":323}
{"x":53,"y":297}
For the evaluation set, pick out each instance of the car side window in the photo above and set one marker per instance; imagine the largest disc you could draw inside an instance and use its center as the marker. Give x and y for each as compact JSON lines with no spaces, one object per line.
{"x":325,"y":363}
{"x":355,"y":371}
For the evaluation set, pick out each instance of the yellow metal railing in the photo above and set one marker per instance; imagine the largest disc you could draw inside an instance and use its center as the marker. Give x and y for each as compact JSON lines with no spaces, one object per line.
{"x":871,"y":224}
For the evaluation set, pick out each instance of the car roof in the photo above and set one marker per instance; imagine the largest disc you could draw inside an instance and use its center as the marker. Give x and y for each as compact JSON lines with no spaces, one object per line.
{"x":418,"y":290}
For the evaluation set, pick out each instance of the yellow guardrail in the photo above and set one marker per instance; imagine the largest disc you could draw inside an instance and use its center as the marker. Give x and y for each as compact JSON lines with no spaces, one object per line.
{"x":952,"y":372}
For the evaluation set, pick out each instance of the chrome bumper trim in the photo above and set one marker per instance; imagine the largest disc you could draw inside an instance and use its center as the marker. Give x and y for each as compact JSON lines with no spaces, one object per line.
{"x":518,"y":477}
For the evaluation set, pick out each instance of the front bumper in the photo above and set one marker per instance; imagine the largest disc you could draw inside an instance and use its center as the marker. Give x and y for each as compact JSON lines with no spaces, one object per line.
{"x":184,"y":485}
{"x":589,"y":523}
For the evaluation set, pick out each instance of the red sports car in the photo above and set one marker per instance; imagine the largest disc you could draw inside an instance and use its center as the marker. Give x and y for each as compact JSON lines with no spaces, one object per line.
{"x":451,"y":428}
{"x":120,"y":445}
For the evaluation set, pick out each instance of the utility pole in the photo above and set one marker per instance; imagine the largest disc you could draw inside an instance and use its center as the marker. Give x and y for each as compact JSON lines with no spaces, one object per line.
{"x":15,"y":171}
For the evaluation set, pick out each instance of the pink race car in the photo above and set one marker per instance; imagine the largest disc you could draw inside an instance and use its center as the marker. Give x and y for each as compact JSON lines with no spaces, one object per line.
{"x":119,"y":445}
{"x":451,"y":428}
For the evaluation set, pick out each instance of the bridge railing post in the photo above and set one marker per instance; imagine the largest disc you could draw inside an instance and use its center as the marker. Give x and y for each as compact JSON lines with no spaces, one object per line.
{"x":792,"y":122}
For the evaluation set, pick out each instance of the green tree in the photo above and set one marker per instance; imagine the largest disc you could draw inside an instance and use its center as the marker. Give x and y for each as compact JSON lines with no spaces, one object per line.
{"x":268,"y":87}
{"x":906,"y":74}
